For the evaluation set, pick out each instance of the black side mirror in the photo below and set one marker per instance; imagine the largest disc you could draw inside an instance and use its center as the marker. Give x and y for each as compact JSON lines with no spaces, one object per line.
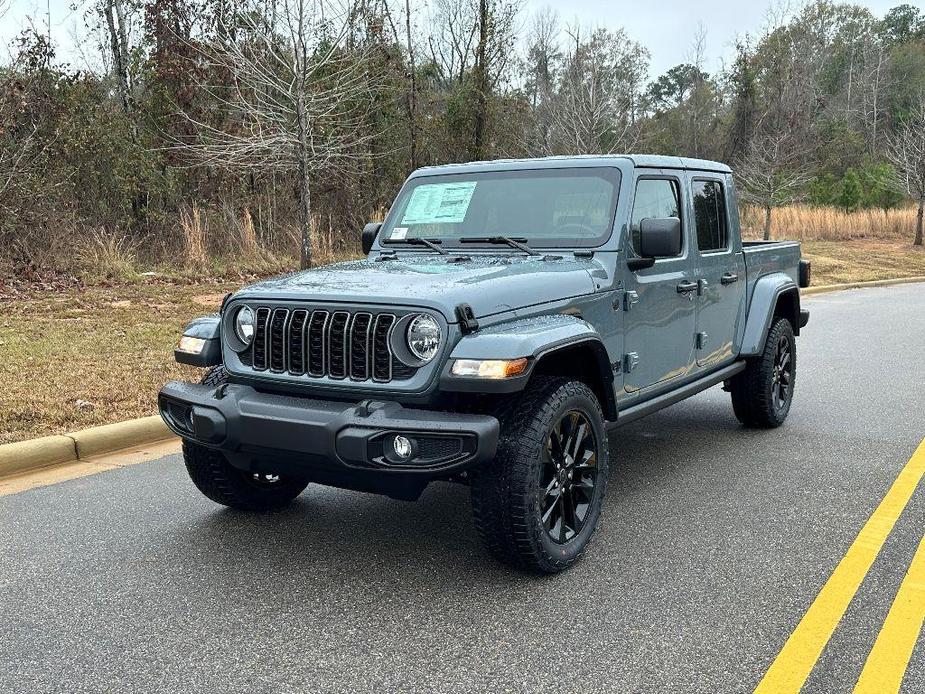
{"x":370,"y":231}
{"x":660,"y":238}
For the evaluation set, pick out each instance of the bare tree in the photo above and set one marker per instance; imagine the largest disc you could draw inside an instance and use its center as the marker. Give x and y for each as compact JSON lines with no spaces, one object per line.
{"x":454,"y":37}
{"x":906,"y":151}
{"x":541,"y":69}
{"x":116,"y":15}
{"x":297,"y":101}
{"x":770,"y":175}
{"x":598,"y":88}
{"x":411,"y":76}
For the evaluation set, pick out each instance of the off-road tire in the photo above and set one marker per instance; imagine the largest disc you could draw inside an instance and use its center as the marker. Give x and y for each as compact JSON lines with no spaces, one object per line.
{"x":506,"y":493}
{"x":215,"y":376}
{"x":225,"y":484}
{"x":753,"y":390}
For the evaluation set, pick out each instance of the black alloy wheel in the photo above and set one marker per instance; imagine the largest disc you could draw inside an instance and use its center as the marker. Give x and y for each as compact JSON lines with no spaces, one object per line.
{"x":782,"y":375}
{"x":569,"y":476}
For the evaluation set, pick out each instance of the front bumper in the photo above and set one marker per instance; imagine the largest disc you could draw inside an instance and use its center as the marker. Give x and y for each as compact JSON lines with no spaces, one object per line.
{"x":320,"y":438}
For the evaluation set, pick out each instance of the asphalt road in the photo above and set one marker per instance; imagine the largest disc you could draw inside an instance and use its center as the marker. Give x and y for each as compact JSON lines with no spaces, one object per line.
{"x":715,"y":541}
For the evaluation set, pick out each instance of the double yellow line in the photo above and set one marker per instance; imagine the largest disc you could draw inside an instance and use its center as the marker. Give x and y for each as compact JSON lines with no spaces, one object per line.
{"x":887,"y":662}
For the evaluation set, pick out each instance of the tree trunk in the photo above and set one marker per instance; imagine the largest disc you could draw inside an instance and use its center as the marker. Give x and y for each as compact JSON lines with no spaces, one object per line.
{"x":767,"y":222}
{"x":918,"y":222}
{"x":412,"y":93}
{"x":305,"y":212}
{"x":305,"y":193}
{"x":481,"y":84}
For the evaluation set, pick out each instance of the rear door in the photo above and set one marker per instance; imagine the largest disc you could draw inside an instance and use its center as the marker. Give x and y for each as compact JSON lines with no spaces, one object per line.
{"x":660,"y":318}
{"x":720,"y":268}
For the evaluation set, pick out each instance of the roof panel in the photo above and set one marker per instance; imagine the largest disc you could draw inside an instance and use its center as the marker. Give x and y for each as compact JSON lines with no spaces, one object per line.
{"x":647,"y":160}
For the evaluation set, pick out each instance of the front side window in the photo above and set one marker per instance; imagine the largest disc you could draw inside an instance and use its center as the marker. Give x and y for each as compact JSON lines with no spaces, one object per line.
{"x":656,"y":198}
{"x":710,"y":215}
{"x":552,"y":207}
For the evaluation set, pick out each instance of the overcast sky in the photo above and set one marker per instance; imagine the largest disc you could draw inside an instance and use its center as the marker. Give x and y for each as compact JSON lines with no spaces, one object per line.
{"x":666,"y":27}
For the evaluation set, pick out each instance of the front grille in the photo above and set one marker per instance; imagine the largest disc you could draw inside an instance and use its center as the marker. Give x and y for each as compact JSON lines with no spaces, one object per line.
{"x":318,"y":343}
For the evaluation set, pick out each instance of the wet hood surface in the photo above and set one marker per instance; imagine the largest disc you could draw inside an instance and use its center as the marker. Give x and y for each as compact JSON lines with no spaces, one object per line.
{"x":489,"y":283}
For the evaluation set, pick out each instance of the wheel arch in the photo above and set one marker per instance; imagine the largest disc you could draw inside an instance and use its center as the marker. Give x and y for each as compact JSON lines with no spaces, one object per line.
{"x":774,"y":296}
{"x":586,"y":361}
{"x":557,"y":345}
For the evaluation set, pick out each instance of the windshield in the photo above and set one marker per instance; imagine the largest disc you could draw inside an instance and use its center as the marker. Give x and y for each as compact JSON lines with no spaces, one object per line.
{"x":552,"y":207}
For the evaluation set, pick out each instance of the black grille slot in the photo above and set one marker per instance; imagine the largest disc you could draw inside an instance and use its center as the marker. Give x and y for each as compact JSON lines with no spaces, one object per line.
{"x":431,"y":447}
{"x":321,"y":343}
{"x":401,"y":371}
{"x":260,"y":339}
{"x":278,"y":340}
{"x":359,"y":346}
{"x":337,"y":345}
{"x":296,"y":342}
{"x":382,"y":355}
{"x":317,"y":327}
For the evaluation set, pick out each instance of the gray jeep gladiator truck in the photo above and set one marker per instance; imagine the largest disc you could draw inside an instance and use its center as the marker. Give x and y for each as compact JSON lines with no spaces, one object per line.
{"x":506,"y":316}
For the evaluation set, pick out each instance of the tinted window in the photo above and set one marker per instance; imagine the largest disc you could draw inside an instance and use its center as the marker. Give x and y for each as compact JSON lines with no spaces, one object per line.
{"x":656,"y":198}
{"x":547,"y":207}
{"x":710,"y":215}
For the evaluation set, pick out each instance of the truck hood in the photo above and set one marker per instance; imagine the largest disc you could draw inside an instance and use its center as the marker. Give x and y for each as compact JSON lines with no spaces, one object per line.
{"x":489,"y":283}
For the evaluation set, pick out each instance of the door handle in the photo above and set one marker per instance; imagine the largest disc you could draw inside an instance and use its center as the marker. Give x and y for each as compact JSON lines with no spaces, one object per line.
{"x":729,"y":278}
{"x":685,"y":287}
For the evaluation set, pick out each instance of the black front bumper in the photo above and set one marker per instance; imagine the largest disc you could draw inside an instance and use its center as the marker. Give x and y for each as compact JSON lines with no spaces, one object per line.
{"x":333,"y":442}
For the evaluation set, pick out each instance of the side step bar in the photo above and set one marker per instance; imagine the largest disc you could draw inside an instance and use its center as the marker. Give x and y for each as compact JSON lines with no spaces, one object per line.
{"x":634,"y":412}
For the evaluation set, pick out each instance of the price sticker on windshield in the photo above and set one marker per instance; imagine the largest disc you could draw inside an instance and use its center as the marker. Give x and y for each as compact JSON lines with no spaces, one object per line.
{"x":439,"y":203}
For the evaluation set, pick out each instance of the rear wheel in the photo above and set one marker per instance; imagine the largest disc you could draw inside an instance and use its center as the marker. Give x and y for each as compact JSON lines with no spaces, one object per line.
{"x":225,"y":484}
{"x":538,"y":503}
{"x":762,"y":394}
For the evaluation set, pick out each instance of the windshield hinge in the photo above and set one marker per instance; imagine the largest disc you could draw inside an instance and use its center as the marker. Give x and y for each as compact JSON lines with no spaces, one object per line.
{"x":467,"y":322}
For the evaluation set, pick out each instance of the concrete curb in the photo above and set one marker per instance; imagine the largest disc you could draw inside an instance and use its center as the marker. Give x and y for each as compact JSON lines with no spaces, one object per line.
{"x":809,"y":291}
{"x":68,"y":448}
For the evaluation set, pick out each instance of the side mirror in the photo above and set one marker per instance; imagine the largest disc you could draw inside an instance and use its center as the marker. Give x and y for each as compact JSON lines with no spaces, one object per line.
{"x":660,"y":238}
{"x":368,"y":237}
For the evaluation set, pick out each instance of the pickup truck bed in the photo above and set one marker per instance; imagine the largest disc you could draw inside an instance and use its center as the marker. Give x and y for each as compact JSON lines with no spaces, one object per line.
{"x":763,"y":257}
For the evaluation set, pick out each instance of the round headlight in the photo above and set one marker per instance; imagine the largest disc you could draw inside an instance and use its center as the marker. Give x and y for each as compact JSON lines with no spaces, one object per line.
{"x":244,"y":325}
{"x":423,"y":337}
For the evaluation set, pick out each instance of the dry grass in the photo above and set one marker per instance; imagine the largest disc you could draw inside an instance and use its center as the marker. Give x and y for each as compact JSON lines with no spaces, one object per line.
{"x":78,"y":358}
{"x":804,"y":223}
{"x":193,"y":228}
{"x":110,"y":254}
{"x":863,"y":260}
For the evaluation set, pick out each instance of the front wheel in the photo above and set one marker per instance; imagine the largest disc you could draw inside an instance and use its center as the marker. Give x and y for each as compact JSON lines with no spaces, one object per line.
{"x":536,"y":506}
{"x":225,"y":484}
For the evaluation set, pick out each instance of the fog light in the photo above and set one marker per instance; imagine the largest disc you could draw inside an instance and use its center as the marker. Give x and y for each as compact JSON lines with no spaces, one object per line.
{"x":191,"y":345}
{"x":401,"y":446}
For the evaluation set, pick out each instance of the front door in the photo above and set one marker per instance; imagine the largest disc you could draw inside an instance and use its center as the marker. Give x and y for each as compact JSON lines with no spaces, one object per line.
{"x":660,"y":301}
{"x":721,"y":275}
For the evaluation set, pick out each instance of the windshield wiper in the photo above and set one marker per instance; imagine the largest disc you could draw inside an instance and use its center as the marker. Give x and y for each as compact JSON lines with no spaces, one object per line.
{"x":501,"y":240}
{"x":430,"y":243}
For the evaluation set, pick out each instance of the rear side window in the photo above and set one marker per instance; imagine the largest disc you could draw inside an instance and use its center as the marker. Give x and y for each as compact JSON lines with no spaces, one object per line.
{"x":656,"y":198}
{"x":710,"y":215}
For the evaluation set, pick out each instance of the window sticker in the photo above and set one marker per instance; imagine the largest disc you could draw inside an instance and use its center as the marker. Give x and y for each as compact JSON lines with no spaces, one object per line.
{"x":398,"y":233}
{"x":439,"y":203}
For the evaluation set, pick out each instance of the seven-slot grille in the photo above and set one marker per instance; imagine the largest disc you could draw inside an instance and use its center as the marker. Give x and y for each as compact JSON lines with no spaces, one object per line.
{"x":321,"y":343}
